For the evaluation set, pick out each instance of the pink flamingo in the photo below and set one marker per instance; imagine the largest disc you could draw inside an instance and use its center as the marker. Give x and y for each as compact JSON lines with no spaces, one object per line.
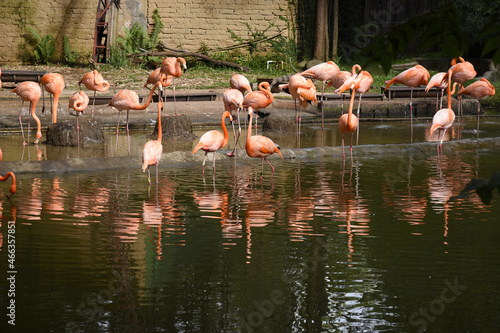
{"x":129,"y":100}
{"x":214,"y":140}
{"x":79,"y":102}
{"x":233,"y":101}
{"x":172,"y":66}
{"x":240,"y":83}
{"x":259,"y":146}
{"x":302,"y":89}
{"x":461,"y":72}
{"x":478,"y":90}
{"x":436,"y":81}
{"x":156,"y":76}
{"x":348,"y":122}
{"x":444,"y":118}
{"x":322,"y":72}
{"x":54,"y":84}
{"x":259,"y":99}
{"x":412,"y":77}
{"x":337,"y":81}
{"x":153,"y":149}
{"x":95,"y":82}
{"x":12,"y":189}
{"x":29,"y":91}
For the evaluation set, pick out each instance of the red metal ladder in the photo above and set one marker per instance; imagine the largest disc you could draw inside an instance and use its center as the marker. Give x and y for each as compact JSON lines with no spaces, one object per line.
{"x":101,"y":33}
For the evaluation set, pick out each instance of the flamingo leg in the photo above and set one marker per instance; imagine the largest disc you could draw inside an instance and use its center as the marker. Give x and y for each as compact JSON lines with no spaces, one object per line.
{"x":128,"y":135}
{"x":21,"y":123}
{"x":255,"y":123}
{"x":213,"y":166}
{"x":442,"y":95}
{"x":343,"y":152}
{"x":117,"y":127}
{"x":77,"y":130}
{"x":157,"y":182}
{"x":149,"y":177}
{"x":204,"y":160}
{"x":175,"y":105}
{"x":478,"y":111}
{"x":43,"y":99}
{"x":411,"y":114}
{"x":352,"y":138}
{"x":29,"y":123}
{"x":272,"y":168}
{"x":93,"y":103}
{"x":231,"y":153}
{"x":322,"y":101}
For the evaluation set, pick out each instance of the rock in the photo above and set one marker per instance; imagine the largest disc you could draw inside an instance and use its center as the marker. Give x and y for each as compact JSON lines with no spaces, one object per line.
{"x":175,"y":127}
{"x":65,"y":134}
{"x":279,"y":125}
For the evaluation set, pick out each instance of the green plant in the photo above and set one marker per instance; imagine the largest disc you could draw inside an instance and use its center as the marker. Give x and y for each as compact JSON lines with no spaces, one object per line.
{"x":43,"y":47}
{"x":69,"y":55}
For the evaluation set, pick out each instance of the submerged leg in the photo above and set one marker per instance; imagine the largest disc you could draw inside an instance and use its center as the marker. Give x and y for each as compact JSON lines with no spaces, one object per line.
{"x":21,"y":123}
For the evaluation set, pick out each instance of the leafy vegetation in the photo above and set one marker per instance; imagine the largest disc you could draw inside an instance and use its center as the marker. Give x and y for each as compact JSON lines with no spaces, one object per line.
{"x":69,"y":55}
{"x":43,"y":46}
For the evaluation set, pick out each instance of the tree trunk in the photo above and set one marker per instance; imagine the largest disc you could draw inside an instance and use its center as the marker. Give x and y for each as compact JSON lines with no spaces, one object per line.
{"x":335,"y":37}
{"x":321,"y":30}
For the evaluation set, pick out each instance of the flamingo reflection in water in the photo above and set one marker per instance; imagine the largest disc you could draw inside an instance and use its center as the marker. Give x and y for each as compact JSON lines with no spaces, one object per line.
{"x":56,"y":198}
{"x":31,"y":208}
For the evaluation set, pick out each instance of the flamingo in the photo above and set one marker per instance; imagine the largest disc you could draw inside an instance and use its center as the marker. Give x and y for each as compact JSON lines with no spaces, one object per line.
{"x":240,"y":82}
{"x":259,"y":146}
{"x":54,"y":84}
{"x":461,"y":72}
{"x":12,"y":189}
{"x":478,"y":90}
{"x":79,"y":102}
{"x":337,"y":81}
{"x":214,"y":140}
{"x":322,"y":72}
{"x":156,"y":76}
{"x":95,"y":82}
{"x":29,"y":91}
{"x":259,"y":99}
{"x":153,"y":149}
{"x":412,"y":77}
{"x":348,"y":122}
{"x":444,"y":118}
{"x":302,"y":89}
{"x":172,"y":66}
{"x":129,"y":100}
{"x":436,"y":82}
{"x":233,"y":101}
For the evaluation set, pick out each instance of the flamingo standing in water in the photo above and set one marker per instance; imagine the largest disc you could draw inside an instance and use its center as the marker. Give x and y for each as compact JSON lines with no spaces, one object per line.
{"x":172,"y":66}
{"x":214,"y":140}
{"x":258,"y":99}
{"x":348,"y":122}
{"x":233,"y":101}
{"x":79,"y":102}
{"x":12,"y":189}
{"x":322,"y":72}
{"x":436,"y":81}
{"x":412,"y":77}
{"x":54,"y":84}
{"x":129,"y":100}
{"x":240,"y":83}
{"x":95,"y":82}
{"x":29,"y":91}
{"x":444,"y":118}
{"x":259,"y":146}
{"x":153,"y":149}
{"x":478,"y":90}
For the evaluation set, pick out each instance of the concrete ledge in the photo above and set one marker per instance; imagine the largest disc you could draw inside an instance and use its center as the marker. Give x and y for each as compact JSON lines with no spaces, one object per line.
{"x":183,"y":158}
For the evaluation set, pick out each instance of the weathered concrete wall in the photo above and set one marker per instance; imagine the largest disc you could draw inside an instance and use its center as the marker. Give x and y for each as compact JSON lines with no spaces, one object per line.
{"x":187,"y":23}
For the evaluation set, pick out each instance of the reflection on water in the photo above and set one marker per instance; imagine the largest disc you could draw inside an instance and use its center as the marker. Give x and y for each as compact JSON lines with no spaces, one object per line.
{"x":315,"y":248}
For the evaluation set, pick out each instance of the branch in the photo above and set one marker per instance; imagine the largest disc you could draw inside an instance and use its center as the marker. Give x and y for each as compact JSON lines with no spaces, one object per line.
{"x":244,"y":44}
{"x":190,"y":54}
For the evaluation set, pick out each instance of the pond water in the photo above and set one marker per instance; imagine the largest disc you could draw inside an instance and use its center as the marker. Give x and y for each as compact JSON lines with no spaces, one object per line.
{"x":373,"y":132}
{"x":317,"y":248}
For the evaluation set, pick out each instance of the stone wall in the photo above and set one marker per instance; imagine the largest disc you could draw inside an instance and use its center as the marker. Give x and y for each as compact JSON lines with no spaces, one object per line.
{"x":188,"y":23}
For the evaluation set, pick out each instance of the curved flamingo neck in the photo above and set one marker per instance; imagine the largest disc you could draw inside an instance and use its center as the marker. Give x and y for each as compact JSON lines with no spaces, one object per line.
{"x":37,"y":120}
{"x":249,"y":128}
{"x":6,"y":177}
{"x":54,"y":107}
{"x":150,"y":97}
{"x":448,"y":91}
{"x":349,"y":114}
{"x":224,"y":129}
{"x":266,"y":91}
{"x":353,"y":70}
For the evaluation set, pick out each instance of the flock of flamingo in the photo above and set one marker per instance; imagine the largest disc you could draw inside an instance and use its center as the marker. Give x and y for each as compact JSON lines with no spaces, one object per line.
{"x":240,"y":97}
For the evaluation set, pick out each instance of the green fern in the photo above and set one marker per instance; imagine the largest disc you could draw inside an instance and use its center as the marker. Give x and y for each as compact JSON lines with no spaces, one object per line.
{"x":69,"y":55}
{"x":43,"y":47}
